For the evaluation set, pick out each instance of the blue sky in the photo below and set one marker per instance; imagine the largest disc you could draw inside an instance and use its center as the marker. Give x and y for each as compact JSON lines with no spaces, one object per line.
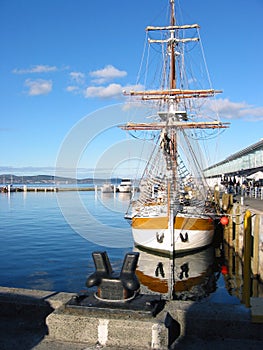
{"x":62,"y":60}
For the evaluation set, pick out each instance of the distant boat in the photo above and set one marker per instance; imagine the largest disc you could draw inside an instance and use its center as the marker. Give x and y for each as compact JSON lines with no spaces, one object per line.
{"x":107,"y":188}
{"x":125,"y":186}
{"x":174,"y":211}
{"x":9,"y":188}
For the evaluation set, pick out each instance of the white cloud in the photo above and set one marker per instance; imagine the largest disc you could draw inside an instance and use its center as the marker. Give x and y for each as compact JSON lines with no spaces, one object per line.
{"x":112,"y":90}
{"x":236,"y":110}
{"x":136,"y":87}
{"x":38,"y":86}
{"x":36,"y":69}
{"x":72,"y":88}
{"x":77,"y":77}
{"x":97,"y":88}
{"x":106,"y":74}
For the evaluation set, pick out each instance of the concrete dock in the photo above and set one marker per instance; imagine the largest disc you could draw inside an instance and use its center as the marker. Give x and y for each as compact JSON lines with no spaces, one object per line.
{"x":34,"y":319}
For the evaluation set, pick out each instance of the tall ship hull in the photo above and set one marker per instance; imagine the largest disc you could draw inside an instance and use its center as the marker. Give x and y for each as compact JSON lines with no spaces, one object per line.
{"x":189,"y":233}
{"x":174,"y":210}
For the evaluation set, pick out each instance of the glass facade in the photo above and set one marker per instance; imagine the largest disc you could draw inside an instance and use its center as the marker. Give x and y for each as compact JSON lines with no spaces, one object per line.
{"x":241,"y":162}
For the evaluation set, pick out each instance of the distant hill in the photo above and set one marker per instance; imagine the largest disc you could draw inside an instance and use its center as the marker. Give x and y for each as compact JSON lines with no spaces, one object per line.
{"x":49,"y":179}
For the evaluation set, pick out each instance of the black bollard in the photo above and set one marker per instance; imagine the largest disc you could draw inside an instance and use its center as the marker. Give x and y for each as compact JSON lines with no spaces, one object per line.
{"x":116,"y":292}
{"x":127,"y":276}
{"x":112,"y":287}
{"x":103,"y":269}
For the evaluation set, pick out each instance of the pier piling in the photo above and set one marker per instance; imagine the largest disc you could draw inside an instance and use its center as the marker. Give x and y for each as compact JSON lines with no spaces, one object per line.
{"x":247,"y":258}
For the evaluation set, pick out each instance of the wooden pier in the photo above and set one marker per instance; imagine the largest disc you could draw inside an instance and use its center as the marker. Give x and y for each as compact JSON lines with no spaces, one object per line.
{"x":243,"y":238}
{"x":11,"y":189}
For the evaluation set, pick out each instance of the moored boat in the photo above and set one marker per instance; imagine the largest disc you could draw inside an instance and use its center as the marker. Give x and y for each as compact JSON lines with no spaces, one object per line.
{"x":125,"y":186}
{"x":107,"y":188}
{"x":174,"y":210}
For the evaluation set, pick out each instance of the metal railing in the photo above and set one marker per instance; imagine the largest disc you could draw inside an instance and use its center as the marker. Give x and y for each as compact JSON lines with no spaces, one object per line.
{"x":254,"y":192}
{"x":249,"y":192}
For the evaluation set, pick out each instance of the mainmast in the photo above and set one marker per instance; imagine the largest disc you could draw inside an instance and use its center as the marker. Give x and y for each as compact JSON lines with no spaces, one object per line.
{"x":174,"y":93}
{"x":169,"y":191}
{"x":171,"y":118}
{"x":172,"y":60}
{"x":172,"y":186}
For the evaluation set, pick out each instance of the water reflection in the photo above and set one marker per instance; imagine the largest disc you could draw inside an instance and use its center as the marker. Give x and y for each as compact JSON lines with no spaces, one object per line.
{"x":187,"y":277}
{"x":233,"y":276}
{"x":212,"y":273}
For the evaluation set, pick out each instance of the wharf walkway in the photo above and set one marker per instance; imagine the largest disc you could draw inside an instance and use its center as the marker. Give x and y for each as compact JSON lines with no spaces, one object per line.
{"x":254,"y":204}
{"x":34,"y":319}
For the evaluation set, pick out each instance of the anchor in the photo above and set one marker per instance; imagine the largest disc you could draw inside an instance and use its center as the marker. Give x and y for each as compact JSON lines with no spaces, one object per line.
{"x":159,"y":237}
{"x":184,"y":238}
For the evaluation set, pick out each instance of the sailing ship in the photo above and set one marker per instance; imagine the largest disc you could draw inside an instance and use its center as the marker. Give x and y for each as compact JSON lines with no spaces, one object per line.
{"x":174,"y":211}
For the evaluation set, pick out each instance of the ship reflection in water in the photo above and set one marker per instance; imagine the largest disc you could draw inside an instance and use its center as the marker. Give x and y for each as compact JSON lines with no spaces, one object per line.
{"x":187,"y":277}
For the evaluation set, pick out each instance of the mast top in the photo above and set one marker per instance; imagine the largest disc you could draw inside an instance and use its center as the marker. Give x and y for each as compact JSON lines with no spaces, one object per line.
{"x":172,"y":13}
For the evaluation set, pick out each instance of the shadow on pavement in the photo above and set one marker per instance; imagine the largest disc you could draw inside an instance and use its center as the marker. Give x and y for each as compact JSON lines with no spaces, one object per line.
{"x":22,"y":321}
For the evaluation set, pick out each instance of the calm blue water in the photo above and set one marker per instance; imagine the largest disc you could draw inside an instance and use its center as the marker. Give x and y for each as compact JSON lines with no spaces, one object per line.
{"x":39,"y":249}
{"x":47,"y":240}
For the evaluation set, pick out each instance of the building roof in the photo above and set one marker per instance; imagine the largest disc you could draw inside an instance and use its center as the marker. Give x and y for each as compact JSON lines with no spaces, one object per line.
{"x":243,"y":152}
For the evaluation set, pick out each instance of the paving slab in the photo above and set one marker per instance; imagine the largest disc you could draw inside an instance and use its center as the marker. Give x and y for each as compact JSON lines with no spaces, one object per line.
{"x":256,"y":310}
